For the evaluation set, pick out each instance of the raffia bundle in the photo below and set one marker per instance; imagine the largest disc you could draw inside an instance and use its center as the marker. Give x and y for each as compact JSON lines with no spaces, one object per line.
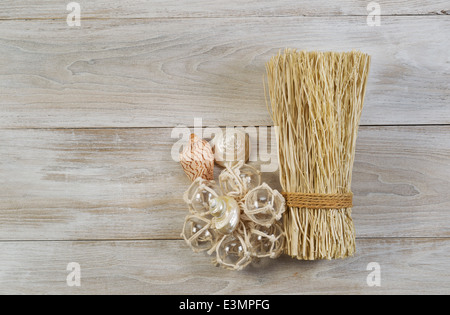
{"x":316,"y":103}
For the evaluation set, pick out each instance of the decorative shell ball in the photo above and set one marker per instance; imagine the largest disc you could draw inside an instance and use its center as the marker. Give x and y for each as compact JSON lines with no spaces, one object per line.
{"x":239,"y":179}
{"x":231,"y":147}
{"x":233,"y":251}
{"x":238,"y":219}
{"x":199,"y":233}
{"x":264,"y":205}
{"x":197,"y":159}
{"x":267,"y":241}
{"x":200,"y":194}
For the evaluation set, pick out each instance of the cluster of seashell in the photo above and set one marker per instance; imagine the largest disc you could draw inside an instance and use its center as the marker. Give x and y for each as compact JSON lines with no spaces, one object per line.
{"x":230,"y":148}
{"x":238,"y":219}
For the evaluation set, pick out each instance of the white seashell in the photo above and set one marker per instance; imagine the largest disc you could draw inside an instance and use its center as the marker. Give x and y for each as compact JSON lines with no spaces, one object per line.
{"x":231,"y":147}
{"x":226,"y":213}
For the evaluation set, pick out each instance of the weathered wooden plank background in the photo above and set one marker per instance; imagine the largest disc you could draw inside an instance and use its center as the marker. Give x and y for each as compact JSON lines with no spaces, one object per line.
{"x":86,"y":118}
{"x":108,"y":9}
{"x":161,"y":73}
{"x":152,"y":267}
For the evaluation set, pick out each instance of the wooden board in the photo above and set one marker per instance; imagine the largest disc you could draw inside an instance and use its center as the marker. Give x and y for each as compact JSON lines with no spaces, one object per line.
{"x":416,"y":266}
{"x":86,"y":125}
{"x":53,"y":9}
{"x":162,"y":73}
{"x":123,"y":183}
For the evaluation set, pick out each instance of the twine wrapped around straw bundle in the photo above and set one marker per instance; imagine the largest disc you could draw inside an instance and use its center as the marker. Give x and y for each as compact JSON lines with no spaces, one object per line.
{"x":316,"y":103}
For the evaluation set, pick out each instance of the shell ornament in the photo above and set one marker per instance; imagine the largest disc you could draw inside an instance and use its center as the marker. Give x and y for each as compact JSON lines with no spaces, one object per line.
{"x":226,"y":213}
{"x":231,"y":147}
{"x":237,"y":220}
{"x":197,"y":159}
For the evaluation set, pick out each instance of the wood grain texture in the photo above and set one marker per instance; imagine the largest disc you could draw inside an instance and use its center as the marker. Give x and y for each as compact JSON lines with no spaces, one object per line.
{"x":162,"y":73}
{"x":51,"y":9}
{"x":408,"y":266}
{"x":76,"y":187}
{"x":123,"y":184}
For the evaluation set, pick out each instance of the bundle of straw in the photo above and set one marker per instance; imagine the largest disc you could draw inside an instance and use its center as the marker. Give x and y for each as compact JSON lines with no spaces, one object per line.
{"x":316,"y":103}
